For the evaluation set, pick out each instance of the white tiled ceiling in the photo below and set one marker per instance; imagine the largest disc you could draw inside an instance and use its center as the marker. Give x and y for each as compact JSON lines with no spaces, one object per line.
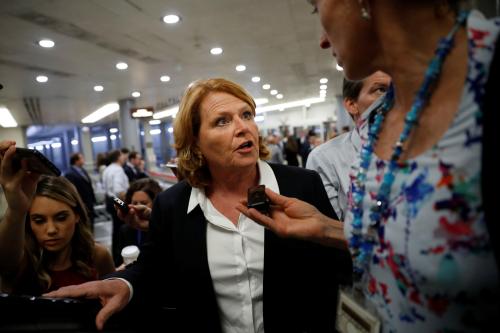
{"x":277,"y":40}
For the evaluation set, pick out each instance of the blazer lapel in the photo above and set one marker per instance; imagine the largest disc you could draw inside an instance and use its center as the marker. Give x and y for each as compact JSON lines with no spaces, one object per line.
{"x":196,"y":272}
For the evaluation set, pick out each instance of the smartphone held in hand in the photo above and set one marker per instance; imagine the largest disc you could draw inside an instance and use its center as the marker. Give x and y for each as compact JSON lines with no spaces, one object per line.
{"x":37,"y":162}
{"x":121,"y":205}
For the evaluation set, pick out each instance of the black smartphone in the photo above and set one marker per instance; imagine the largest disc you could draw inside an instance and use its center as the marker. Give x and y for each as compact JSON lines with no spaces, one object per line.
{"x":121,"y":205}
{"x":37,"y":162}
{"x":258,"y":199}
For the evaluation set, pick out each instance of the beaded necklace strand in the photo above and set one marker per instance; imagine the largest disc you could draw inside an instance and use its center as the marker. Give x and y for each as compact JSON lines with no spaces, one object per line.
{"x":362,"y":244}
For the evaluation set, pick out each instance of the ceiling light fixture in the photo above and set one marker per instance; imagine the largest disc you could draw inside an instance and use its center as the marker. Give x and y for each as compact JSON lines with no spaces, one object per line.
{"x":323,"y":87}
{"x":279,"y":96}
{"x":155,"y":131}
{"x":122,"y":66}
{"x":273,"y":92}
{"x":261,"y":101}
{"x":136,"y":94}
{"x":302,"y":102}
{"x":98,"y":88}
{"x":256,"y":79}
{"x":171,"y":112}
{"x":42,"y":78}
{"x":216,"y":50}
{"x":46,"y":43}
{"x":165,"y":78}
{"x":142,"y":113}
{"x":171,"y":19}
{"x":323,"y":80}
{"x":155,"y":122}
{"x":100,"y":113}
{"x":266,"y":86}
{"x":241,"y":68}
{"x":6,"y":118}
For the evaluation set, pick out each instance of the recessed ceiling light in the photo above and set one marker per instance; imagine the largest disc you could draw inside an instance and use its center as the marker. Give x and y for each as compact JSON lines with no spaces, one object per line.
{"x":171,"y":19}
{"x":47,"y":43}
{"x":42,"y":78}
{"x":98,"y":88}
{"x":113,"y":130}
{"x":165,"y":78}
{"x":216,"y":50}
{"x":266,"y":86}
{"x":323,"y":80}
{"x":136,"y":94}
{"x":241,"y":68}
{"x":340,"y":69}
{"x":121,"y":65}
{"x":155,"y":122}
{"x":279,"y":96}
{"x":323,"y":87}
{"x":273,"y":92}
{"x":256,"y":79}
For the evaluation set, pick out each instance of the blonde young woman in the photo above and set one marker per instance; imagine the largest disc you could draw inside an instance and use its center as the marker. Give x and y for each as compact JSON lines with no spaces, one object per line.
{"x":45,"y":238}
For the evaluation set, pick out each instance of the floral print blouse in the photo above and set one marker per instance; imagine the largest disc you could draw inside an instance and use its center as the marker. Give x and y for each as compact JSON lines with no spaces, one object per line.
{"x":437,"y":272}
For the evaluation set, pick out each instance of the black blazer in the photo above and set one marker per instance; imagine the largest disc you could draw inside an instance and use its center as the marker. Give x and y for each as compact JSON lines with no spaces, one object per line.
{"x":84,"y":187}
{"x":132,"y":173}
{"x":300,"y":278}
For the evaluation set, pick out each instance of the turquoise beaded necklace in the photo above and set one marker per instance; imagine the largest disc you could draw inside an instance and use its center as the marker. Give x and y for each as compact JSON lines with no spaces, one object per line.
{"x":362,"y":244}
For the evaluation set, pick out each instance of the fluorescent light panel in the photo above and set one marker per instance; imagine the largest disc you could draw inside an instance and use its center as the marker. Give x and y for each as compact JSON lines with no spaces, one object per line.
{"x":283,"y":106}
{"x":6,"y":119}
{"x":102,"y":112}
{"x":166,"y":113}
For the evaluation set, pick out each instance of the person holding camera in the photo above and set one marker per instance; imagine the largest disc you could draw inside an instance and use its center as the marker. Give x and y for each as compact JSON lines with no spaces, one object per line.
{"x":220,"y":270}
{"x":45,"y":238}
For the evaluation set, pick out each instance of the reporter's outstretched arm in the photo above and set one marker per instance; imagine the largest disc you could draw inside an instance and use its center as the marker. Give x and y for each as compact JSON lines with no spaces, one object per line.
{"x":113,"y":294}
{"x":19,"y":187}
{"x":290,"y":217}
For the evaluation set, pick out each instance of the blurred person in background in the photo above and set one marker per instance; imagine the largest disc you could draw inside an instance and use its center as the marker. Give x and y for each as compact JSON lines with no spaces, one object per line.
{"x":115,"y":183}
{"x":274,"y":150}
{"x":335,"y":159}
{"x":83,"y":183}
{"x":140,"y":194}
{"x":132,"y":167}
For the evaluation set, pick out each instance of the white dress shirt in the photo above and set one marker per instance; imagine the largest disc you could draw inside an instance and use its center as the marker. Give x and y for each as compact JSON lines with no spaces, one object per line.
{"x":114,"y":180}
{"x":335,"y":159}
{"x":236,"y":261}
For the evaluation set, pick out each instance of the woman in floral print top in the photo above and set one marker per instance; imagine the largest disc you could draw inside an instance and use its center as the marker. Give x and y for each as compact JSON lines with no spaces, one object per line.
{"x":432,"y":268}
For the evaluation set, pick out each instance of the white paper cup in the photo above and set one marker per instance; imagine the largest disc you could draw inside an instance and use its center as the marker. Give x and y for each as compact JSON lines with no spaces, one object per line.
{"x":130,"y":254}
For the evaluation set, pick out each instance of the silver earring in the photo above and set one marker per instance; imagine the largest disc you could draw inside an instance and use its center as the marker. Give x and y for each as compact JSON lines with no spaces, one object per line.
{"x":365,"y":12}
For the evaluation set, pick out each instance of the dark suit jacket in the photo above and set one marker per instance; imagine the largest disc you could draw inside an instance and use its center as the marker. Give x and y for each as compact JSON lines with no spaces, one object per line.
{"x":133,"y":174}
{"x":84,"y":188}
{"x":300,"y":278}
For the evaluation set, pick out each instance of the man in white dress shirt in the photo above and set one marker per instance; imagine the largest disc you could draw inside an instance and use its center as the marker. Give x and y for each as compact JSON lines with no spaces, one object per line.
{"x":334,"y":159}
{"x":115,"y":183}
